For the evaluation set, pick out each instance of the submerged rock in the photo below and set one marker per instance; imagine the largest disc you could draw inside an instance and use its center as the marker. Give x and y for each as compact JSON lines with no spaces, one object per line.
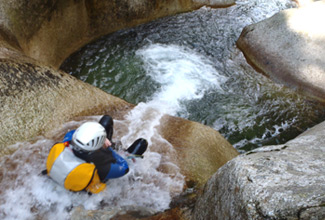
{"x":290,"y":48}
{"x":79,"y":213}
{"x":275,"y":182}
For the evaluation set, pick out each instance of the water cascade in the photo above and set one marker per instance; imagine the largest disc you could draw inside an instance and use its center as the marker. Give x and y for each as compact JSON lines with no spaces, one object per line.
{"x":192,"y":61}
{"x":185,"y":65}
{"x":148,"y":187}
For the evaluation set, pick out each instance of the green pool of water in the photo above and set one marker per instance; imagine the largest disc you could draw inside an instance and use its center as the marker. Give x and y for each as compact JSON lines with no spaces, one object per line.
{"x":190,"y":63}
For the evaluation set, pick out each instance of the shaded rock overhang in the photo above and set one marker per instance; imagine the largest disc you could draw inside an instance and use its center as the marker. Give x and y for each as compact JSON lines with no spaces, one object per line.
{"x":49,"y":31}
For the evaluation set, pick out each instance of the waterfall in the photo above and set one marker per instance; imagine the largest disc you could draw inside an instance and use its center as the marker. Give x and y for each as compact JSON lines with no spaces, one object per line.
{"x":185,"y":65}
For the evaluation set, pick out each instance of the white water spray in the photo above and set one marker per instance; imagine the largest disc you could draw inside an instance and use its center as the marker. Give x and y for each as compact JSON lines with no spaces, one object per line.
{"x":182,"y":73}
{"x":151,"y":182}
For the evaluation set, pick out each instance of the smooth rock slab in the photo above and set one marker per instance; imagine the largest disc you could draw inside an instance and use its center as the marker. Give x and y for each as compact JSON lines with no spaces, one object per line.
{"x":35,"y":99}
{"x":290,"y":48}
{"x":275,"y":182}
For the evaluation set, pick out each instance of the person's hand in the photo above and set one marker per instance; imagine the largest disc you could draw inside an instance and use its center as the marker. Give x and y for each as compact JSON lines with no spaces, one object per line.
{"x":107,"y":143}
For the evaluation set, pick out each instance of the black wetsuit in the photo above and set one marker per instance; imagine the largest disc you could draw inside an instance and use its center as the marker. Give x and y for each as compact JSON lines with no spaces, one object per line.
{"x":103,"y":158}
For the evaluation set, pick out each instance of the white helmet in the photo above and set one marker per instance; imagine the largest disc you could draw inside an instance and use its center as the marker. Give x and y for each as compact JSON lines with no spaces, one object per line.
{"x":90,"y":136}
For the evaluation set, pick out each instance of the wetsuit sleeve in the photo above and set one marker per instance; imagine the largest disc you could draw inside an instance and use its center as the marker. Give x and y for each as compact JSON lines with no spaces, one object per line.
{"x":68,"y":136}
{"x":107,"y":122}
{"x":102,"y":158}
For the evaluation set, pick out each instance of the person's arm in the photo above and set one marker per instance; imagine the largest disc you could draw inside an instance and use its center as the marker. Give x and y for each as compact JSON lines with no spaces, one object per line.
{"x":107,"y":143}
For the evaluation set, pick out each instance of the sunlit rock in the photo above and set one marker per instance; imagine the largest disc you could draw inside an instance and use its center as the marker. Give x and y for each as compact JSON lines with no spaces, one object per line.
{"x":290,"y":48}
{"x":201,"y":150}
{"x":36,"y":99}
{"x":305,"y":2}
{"x":275,"y":182}
{"x":50,"y":31}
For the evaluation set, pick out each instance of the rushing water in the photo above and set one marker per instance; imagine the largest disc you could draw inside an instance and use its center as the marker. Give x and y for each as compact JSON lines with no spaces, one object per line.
{"x":189,"y":64}
{"x":27,"y":194}
{"x":185,"y":65}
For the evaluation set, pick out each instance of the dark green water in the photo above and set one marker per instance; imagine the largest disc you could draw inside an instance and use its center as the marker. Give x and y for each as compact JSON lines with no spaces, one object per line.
{"x":188,"y":65}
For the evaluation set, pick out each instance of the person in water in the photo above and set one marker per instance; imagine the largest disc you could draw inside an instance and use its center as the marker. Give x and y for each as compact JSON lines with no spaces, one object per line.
{"x":85,"y":159}
{"x":92,"y":142}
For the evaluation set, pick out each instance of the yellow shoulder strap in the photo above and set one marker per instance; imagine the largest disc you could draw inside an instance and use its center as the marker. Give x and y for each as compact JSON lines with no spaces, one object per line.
{"x":96,"y":185}
{"x":55,"y":151}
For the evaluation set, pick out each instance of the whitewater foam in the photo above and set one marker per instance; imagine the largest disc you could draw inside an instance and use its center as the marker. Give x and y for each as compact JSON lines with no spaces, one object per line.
{"x":183,"y":75}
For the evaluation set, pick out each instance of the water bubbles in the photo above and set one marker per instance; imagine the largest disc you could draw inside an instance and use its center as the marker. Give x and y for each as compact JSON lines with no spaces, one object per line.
{"x":150,"y":186}
{"x":181,"y":73}
{"x":188,"y":65}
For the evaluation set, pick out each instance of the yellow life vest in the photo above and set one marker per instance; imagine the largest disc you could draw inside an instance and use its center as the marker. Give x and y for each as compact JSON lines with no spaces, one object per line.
{"x":72,"y":172}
